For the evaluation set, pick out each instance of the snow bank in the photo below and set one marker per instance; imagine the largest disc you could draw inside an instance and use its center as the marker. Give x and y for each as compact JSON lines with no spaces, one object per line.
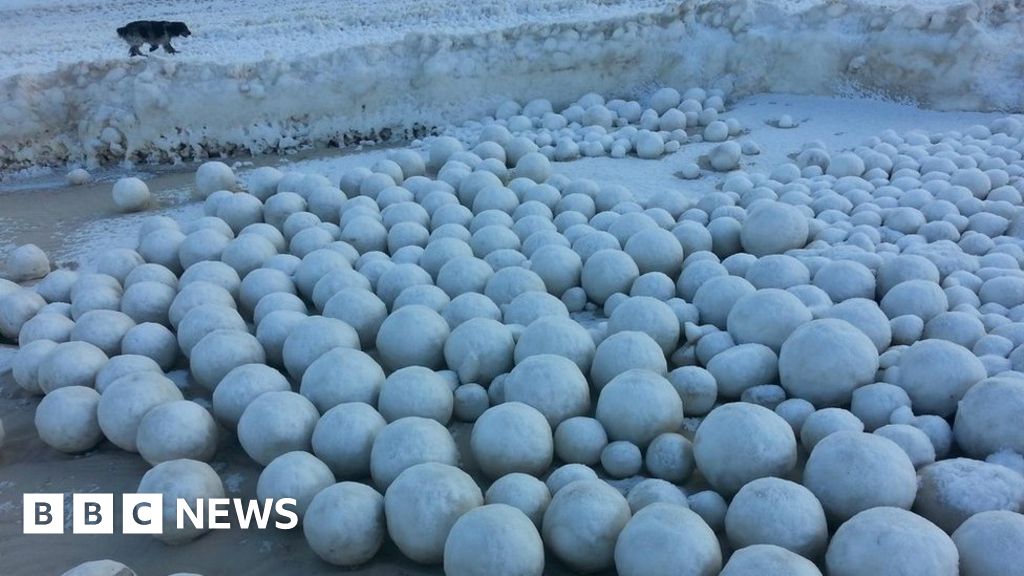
{"x":396,"y":77}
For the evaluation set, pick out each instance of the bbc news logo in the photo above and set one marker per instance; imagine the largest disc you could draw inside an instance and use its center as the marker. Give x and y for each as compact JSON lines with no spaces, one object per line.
{"x":144,"y":513}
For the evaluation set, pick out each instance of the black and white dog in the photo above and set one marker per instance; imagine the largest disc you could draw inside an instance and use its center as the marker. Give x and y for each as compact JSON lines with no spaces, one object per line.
{"x":152,"y":32}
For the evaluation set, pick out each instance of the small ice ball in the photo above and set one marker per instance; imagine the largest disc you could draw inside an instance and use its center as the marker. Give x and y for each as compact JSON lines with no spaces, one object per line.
{"x":407,"y":442}
{"x":991,"y":543}
{"x":175,"y":480}
{"x":241,"y":386}
{"x":780,"y":512}
{"x":27,"y":262}
{"x":276,"y":422}
{"x":66,"y":419}
{"x":344,"y":437}
{"x":689,"y":546}
{"x":424,"y":503}
{"x":583,"y":522}
{"x":178,"y":429}
{"x":298,"y":475}
{"x":852,"y":471}
{"x":354,"y":541}
{"x":126,"y":402}
{"x":211,"y":177}
{"x":78,"y":177}
{"x":131,"y":195}
{"x":888,"y":540}
{"x":740,"y":442}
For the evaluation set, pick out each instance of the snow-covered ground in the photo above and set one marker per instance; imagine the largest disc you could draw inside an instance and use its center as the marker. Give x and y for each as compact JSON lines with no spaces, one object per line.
{"x":270,"y":76}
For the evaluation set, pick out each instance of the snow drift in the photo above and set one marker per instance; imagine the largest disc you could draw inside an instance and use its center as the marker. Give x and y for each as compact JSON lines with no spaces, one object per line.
{"x":947,"y":55}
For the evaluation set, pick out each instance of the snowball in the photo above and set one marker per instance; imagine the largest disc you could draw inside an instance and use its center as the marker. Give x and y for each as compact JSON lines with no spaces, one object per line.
{"x":148,"y":302}
{"x":221,"y":351}
{"x":873,"y":404}
{"x":415,"y":391}
{"x":532,"y":451}
{"x":412,"y":336}
{"x":768,"y":560}
{"x":991,"y":544}
{"x":741,"y":367}
{"x":479,"y":349}
{"x":211,"y":177}
{"x":126,"y":402}
{"x":766,"y":317}
{"x":887,"y":540}
{"x":534,"y":166}
{"x":780,"y":512}
{"x":471,"y":400}
{"x":685,"y":544}
{"x":852,"y":471}
{"x":740,"y":442}
{"x":102,"y":328}
{"x":199,"y":294}
{"x":653,"y":491}
{"x":17,"y":308}
{"x":583,"y":522}
{"x":711,"y":507}
{"x":274,"y":423}
{"x":70,"y":364}
{"x":621,"y":459}
{"x":696,"y":387}
{"x":865,"y":315}
{"x":131,"y":195}
{"x":624,"y":351}
{"x":357,"y":539}
{"x":649,"y":145}
{"x":344,"y":437}
{"x":27,"y":262}
{"x":66,"y":419}
{"x":360,"y":309}
{"x":607,"y":272}
{"x":716,"y":297}
{"x":46,"y":326}
{"x":921,"y":298}
{"x":342,"y":375}
{"x":988,"y":418}
{"x":187,"y":480}
{"x":298,"y":475}
{"x":179,"y":429}
{"x":407,"y":442}
{"x":559,"y":336}
{"x":818,"y":425}
{"x":725,"y":157}
{"x":240,"y":387}
{"x":77,"y":177}
{"x":25,"y":364}
{"x":422,"y":506}
{"x":654,"y":317}
{"x":552,"y":384}
{"x":56,"y":286}
{"x":311,"y":338}
{"x":911,"y":440}
{"x":655,"y":250}
{"x":824,"y":361}
{"x":523,"y":492}
{"x":936,"y":374}
{"x":951,"y":491}
{"x":773,"y":228}
{"x":845,"y":279}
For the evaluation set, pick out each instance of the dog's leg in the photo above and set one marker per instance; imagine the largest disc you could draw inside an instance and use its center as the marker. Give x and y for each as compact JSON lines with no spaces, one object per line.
{"x":169,"y":49}
{"x":153,"y":47}
{"x":134,"y":51}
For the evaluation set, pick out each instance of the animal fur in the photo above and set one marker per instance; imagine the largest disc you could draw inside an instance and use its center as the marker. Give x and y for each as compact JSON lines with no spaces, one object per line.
{"x":152,"y":32}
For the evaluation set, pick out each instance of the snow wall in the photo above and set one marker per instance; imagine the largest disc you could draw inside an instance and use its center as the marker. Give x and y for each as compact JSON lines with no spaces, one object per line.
{"x":948,"y":55}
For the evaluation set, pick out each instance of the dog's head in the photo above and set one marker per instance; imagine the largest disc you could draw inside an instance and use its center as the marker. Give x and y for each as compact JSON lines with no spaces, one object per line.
{"x":178,"y":29}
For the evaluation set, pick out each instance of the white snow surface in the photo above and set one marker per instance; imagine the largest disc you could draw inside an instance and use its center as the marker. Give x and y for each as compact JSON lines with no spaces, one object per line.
{"x":266,"y":76}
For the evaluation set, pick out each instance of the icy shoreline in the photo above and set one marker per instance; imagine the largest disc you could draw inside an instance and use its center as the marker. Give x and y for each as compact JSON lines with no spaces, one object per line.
{"x":941,"y":55}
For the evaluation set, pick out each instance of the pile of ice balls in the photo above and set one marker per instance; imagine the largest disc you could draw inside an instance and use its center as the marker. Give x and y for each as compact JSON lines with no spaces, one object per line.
{"x":815,"y":368}
{"x":593,"y":127}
